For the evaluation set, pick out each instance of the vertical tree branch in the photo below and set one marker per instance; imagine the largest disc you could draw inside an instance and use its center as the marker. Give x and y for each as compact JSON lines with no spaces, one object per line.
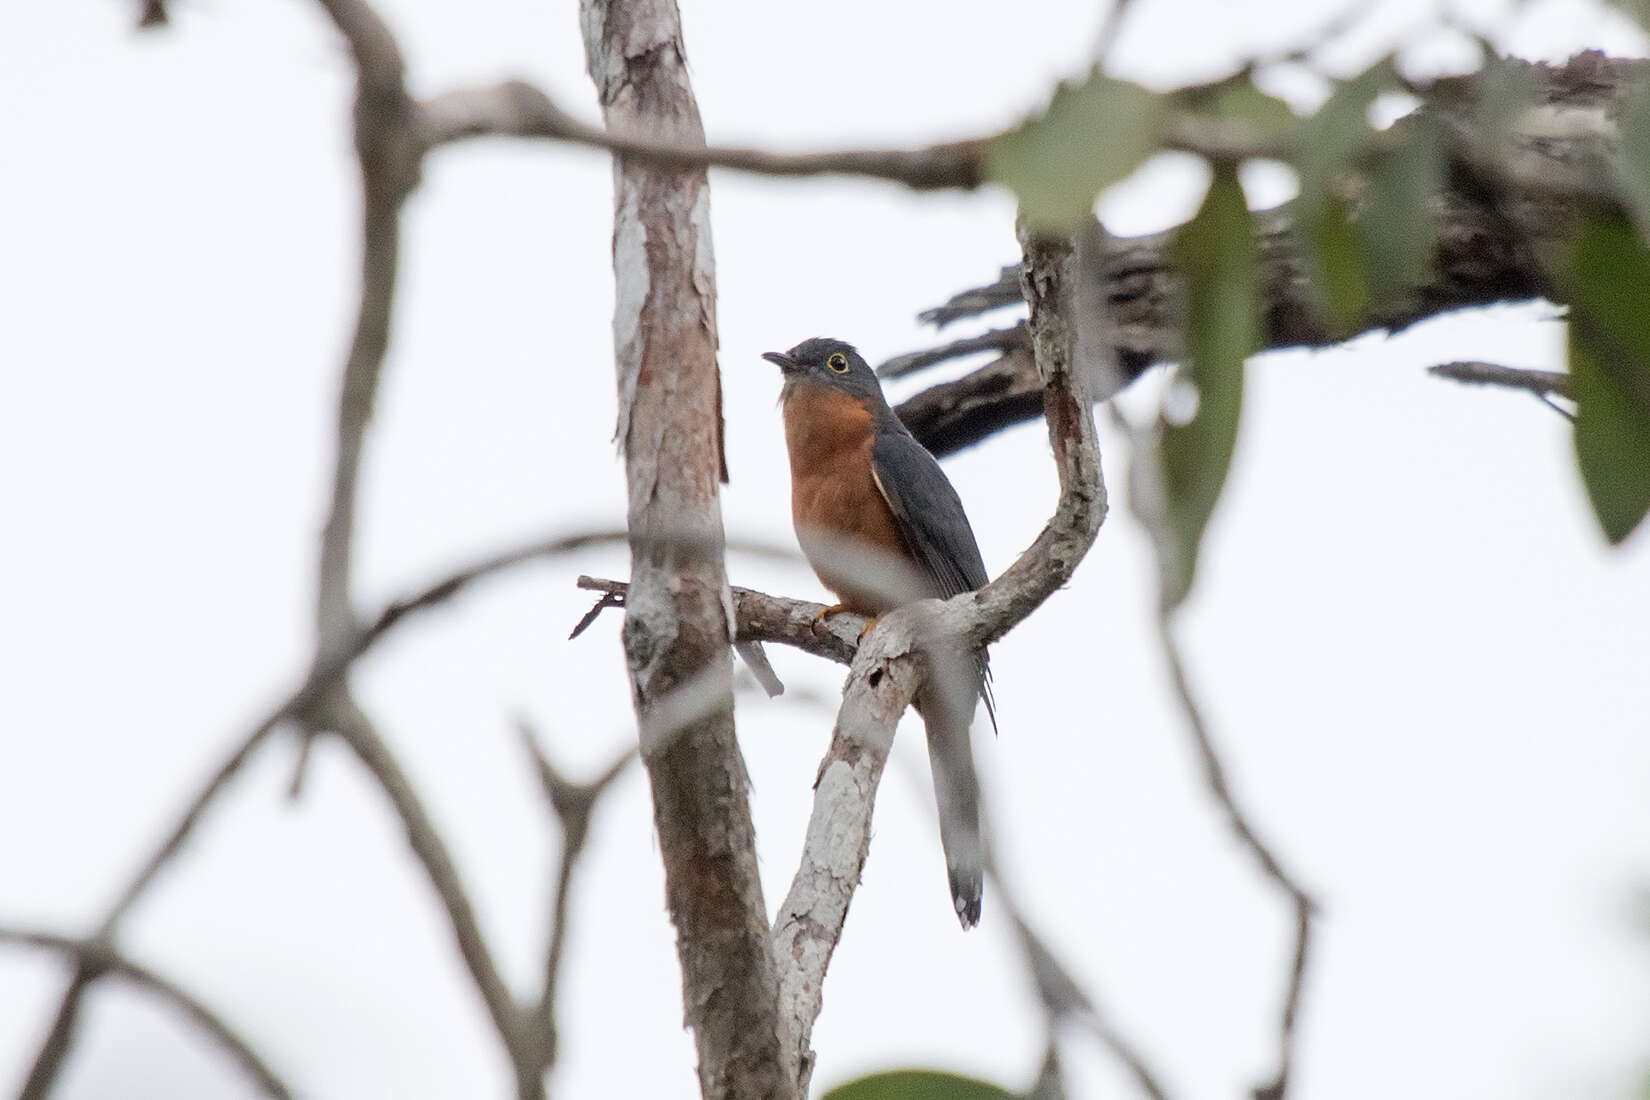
{"x":389,"y":148}
{"x":678,"y":612}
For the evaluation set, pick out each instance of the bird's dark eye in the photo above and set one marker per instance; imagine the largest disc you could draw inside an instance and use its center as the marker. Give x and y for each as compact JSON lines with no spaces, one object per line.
{"x":837,"y":362}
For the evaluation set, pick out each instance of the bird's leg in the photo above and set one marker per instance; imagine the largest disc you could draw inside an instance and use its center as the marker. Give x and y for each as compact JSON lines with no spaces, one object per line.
{"x":826,"y":612}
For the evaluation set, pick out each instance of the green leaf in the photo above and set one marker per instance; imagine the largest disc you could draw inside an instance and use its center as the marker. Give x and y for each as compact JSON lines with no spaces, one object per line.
{"x":1609,"y":289}
{"x":1636,"y":10}
{"x":1631,"y":166}
{"x":1092,"y":135}
{"x":1331,"y":250}
{"x":1332,"y":138}
{"x":918,"y":1084}
{"x":1398,"y":225}
{"x":1216,"y":252}
{"x":1507,"y":87}
{"x":1236,"y":99}
{"x":1333,"y":256}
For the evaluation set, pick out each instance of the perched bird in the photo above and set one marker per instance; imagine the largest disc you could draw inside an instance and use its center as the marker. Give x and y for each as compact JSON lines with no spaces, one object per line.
{"x":881,"y":525}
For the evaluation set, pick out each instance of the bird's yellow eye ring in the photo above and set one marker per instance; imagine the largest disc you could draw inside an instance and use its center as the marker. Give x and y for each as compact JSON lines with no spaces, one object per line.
{"x":837,"y":362}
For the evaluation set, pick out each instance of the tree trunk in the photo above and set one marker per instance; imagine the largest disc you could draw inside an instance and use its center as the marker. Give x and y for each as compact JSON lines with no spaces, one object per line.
{"x":678,"y":612}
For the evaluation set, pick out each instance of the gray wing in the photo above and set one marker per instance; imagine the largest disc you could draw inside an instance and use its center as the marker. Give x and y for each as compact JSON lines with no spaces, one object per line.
{"x":936,"y":532}
{"x":933,"y":523}
{"x":929,"y":512}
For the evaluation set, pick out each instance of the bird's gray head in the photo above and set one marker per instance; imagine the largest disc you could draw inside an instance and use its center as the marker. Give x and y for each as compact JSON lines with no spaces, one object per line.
{"x":828,"y":362}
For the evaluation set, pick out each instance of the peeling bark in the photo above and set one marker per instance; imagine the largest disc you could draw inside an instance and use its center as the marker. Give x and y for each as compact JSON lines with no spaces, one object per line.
{"x":678,"y":612}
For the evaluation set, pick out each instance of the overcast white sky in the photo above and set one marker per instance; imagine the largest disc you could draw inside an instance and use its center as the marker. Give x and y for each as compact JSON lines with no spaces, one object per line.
{"x":1426,"y":669}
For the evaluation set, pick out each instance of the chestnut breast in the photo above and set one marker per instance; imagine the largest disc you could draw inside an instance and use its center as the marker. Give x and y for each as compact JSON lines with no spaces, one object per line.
{"x":847,"y":531}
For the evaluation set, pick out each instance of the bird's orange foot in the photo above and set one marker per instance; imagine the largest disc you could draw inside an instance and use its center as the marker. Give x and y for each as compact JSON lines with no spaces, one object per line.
{"x":866,"y":629}
{"x":825,"y":613}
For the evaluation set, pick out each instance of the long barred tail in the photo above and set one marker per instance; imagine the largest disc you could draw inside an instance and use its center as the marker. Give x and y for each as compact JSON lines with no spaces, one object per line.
{"x":947,"y":707}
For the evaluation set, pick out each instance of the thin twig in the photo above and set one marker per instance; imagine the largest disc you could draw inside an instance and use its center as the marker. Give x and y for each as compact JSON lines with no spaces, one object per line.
{"x":1001,"y":339}
{"x":1004,"y":292}
{"x":516,"y":108}
{"x":1542,"y":383}
{"x":573,"y":804}
{"x":1112,"y":26}
{"x":54,"y":1048}
{"x":761,"y":669}
{"x":389,"y":153}
{"x":318,"y":684}
{"x":96,"y":957}
{"x":759,"y":617}
{"x":357,"y":731}
{"x":1556,"y":407}
{"x":608,"y":599}
{"x":48,"y":1061}
{"x":1064,"y":998}
{"x":1214,"y":774}
{"x":1148,"y":501}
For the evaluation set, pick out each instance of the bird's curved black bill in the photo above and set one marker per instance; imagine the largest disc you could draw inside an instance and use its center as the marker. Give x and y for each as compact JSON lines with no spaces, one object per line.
{"x":781,"y":360}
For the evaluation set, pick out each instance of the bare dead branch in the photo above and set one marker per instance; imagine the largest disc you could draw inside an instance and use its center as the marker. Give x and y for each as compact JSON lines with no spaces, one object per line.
{"x":1110,"y":28}
{"x":151,"y":14}
{"x":1542,"y":383}
{"x":1498,"y":214}
{"x":962,"y":412}
{"x":1556,"y":407}
{"x":608,"y":599}
{"x":759,"y":617}
{"x":1214,"y":774}
{"x":55,"y":1047}
{"x":573,"y":805}
{"x":389,"y":154}
{"x":1004,"y":292}
{"x":96,"y":957}
{"x":296,"y":707}
{"x":889,"y":666}
{"x":1002,"y":339}
{"x":192,"y":815}
{"x":516,"y":108}
{"x":1148,"y":501}
{"x":1063,"y":996}
{"x":357,"y":731}
{"x":756,"y":660}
